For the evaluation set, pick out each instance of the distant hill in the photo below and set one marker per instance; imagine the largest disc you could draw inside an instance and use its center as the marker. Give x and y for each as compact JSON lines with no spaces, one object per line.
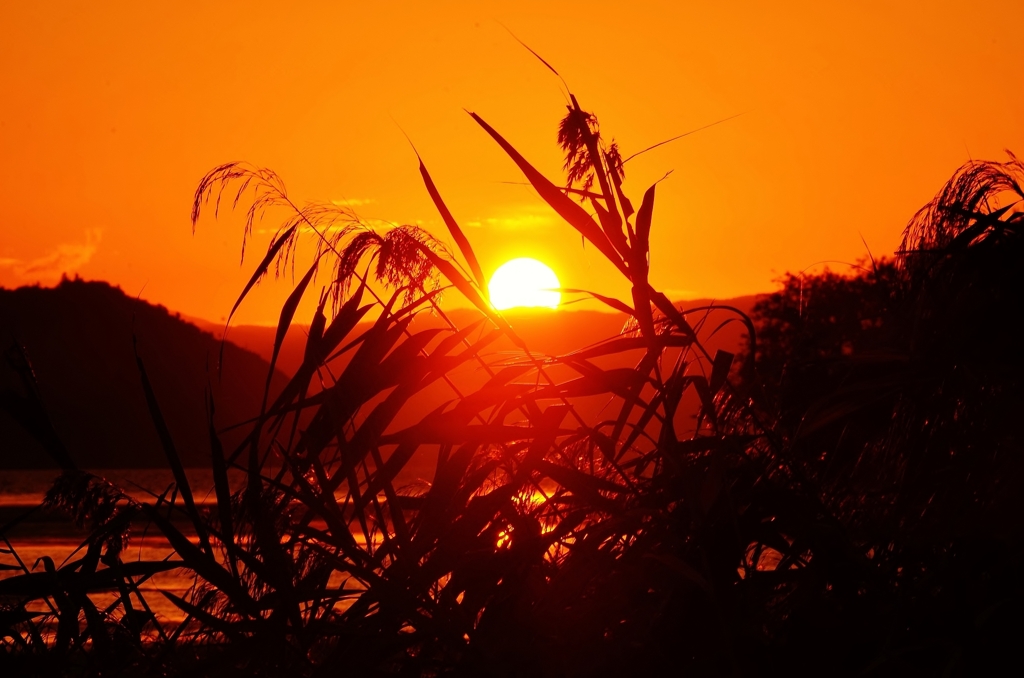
{"x":78,"y":336}
{"x":547,"y":333}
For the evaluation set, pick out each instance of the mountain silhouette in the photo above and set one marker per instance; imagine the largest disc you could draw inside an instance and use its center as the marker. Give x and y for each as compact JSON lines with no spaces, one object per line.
{"x":78,"y":338}
{"x":545,"y":332}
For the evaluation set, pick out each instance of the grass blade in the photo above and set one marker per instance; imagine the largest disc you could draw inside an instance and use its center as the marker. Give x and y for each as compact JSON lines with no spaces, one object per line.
{"x":260,"y":271}
{"x":167,"y":442}
{"x":221,"y":486}
{"x":287,"y":313}
{"x":29,"y":410}
{"x":642,"y":246}
{"x":608,"y":301}
{"x":453,"y":226}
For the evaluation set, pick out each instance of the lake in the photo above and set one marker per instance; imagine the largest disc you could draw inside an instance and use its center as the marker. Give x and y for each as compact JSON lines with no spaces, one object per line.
{"x":38,"y":533}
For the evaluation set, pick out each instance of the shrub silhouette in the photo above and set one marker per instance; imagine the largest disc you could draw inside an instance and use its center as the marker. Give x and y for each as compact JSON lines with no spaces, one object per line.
{"x":893,"y":390}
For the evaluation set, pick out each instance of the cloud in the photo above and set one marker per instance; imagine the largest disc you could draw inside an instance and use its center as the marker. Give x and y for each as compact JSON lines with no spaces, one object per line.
{"x":524,"y":219}
{"x":680,"y":294}
{"x":370,"y":222}
{"x":65,"y":258}
{"x":353,"y":202}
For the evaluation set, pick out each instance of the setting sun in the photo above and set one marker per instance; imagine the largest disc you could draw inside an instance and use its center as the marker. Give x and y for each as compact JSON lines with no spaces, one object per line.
{"x":522,"y":283}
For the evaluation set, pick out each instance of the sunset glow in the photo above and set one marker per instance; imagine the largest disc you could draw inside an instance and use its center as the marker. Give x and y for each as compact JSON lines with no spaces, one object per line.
{"x":524,"y":283}
{"x":120,"y":111}
{"x":511,"y":339}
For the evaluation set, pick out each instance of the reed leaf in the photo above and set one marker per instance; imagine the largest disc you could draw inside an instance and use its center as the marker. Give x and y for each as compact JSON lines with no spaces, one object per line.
{"x":257,"y":275}
{"x":221,"y":486}
{"x":171,"y":451}
{"x":608,"y":301}
{"x":285,"y":321}
{"x":453,"y":226}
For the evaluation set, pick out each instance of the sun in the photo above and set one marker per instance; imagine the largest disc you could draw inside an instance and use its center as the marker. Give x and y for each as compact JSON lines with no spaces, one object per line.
{"x":524,"y":282}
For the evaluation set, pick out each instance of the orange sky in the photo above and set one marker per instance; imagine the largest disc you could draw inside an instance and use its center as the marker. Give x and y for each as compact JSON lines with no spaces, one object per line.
{"x":853,"y":117}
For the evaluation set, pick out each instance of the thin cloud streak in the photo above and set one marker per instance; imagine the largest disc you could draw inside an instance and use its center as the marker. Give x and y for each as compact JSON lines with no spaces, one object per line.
{"x":65,"y":258}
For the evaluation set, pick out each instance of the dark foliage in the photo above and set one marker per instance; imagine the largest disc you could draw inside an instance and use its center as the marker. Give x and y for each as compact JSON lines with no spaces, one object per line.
{"x":814,"y":329}
{"x":895,"y":391}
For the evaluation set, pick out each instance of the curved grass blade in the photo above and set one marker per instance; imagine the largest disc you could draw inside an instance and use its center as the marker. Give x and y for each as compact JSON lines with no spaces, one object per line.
{"x":231,"y":629}
{"x":167,"y":442}
{"x":260,"y":271}
{"x":720,"y":370}
{"x":453,"y":227}
{"x":620,"y":381}
{"x":643,"y":230}
{"x":581,"y":484}
{"x":221,"y":486}
{"x":287,"y":313}
{"x":29,"y":410}
{"x":622,"y":344}
{"x":203,"y":564}
{"x":608,"y":301}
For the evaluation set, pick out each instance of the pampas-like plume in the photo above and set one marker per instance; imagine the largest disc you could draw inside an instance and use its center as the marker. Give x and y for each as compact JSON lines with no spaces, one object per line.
{"x":577,"y":131}
{"x":95,"y":502}
{"x":396,"y":257}
{"x":398,"y":260}
{"x":981,"y":198}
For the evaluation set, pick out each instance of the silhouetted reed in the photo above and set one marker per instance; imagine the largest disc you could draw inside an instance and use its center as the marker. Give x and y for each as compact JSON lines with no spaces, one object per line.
{"x":548,"y":543}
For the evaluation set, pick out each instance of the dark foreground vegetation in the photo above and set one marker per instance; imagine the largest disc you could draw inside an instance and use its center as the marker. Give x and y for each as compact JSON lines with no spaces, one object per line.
{"x":844,"y":502}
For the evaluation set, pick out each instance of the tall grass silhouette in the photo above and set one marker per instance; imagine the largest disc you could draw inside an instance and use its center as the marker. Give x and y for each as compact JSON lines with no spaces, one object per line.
{"x":546,"y":542}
